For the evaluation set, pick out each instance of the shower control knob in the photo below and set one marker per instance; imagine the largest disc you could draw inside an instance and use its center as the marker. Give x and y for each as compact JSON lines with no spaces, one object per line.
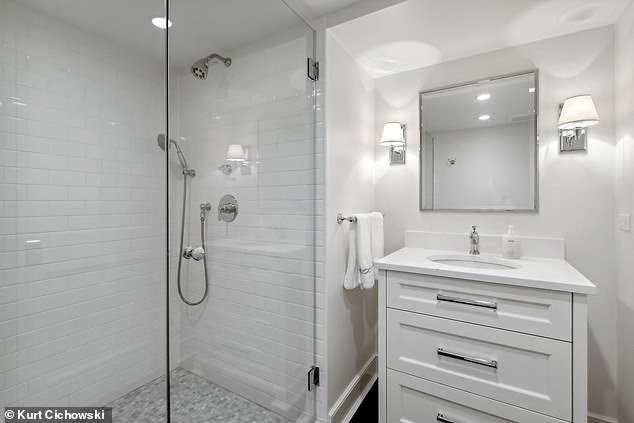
{"x":188,"y":252}
{"x":228,"y":208}
{"x":198,"y":253}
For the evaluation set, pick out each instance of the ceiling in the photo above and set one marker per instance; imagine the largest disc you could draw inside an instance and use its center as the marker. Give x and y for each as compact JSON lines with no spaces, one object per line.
{"x":200,"y":27}
{"x":401,"y":37}
{"x":419,"y":33}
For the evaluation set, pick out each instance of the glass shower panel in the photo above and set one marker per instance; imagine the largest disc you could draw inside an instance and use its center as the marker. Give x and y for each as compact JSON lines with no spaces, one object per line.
{"x":241,"y":112}
{"x":82,"y":194}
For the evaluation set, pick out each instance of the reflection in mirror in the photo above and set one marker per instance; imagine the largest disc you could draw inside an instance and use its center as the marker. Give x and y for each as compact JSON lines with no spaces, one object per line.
{"x":479,"y":145}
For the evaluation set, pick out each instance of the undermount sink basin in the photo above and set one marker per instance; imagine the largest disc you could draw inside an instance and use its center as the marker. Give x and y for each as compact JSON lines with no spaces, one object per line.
{"x":474,"y":262}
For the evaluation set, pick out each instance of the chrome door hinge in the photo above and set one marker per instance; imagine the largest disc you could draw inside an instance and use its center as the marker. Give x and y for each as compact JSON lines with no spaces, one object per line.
{"x":312,"y":69}
{"x":313,"y":377}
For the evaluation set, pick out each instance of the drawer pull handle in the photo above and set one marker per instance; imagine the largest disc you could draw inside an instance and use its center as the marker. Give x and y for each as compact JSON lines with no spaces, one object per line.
{"x":478,"y":303}
{"x":441,"y":418}
{"x":475,"y":360}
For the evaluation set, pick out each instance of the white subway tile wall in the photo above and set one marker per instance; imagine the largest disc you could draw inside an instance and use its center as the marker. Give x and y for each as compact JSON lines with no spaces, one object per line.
{"x":81,"y":215}
{"x":256,"y":333}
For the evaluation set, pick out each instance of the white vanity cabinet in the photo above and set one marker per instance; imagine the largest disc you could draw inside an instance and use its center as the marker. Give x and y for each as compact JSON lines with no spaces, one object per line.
{"x":472,"y":345}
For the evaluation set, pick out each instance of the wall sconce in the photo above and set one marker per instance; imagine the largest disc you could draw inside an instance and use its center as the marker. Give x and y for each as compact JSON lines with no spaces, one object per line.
{"x":575,"y":115}
{"x":393,"y":136}
{"x":235,"y":154}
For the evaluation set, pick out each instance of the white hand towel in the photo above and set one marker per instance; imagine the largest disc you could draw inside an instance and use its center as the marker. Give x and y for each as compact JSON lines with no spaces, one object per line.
{"x":377,"y":239}
{"x":351,"y":279}
{"x":364,"y":250}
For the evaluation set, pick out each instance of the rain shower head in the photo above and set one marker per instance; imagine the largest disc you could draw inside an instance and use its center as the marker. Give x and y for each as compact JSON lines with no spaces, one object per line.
{"x":200,"y":68}
{"x":181,"y":157}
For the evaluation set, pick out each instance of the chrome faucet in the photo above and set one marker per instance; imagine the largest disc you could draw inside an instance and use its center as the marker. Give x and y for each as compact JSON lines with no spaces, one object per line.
{"x":474,"y":239}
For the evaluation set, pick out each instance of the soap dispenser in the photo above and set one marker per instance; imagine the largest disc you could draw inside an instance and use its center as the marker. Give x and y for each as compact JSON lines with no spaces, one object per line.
{"x":511,"y":244}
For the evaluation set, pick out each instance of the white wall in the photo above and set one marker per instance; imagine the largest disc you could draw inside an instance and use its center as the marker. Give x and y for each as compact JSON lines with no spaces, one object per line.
{"x":624,"y":79}
{"x":82,"y":314}
{"x":351,"y":315}
{"x":576,"y":190}
{"x":254,"y":334}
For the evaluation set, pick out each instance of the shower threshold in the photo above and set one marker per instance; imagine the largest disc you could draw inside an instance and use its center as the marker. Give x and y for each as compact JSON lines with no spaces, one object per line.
{"x":193,"y":400}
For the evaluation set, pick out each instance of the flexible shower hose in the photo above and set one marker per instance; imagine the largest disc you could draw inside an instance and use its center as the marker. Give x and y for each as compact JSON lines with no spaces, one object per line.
{"x":180,"y":251}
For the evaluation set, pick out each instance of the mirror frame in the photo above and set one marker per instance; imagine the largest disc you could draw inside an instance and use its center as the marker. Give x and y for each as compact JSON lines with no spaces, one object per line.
{"x":535,"y":208}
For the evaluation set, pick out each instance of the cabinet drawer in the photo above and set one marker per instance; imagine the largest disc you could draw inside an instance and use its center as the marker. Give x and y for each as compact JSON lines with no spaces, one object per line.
{"x":416,"y":400}
{"x":519,"y":369}
{"x":538,"y":312}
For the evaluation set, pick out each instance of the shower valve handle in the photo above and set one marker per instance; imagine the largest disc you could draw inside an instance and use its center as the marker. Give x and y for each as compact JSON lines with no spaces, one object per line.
{"x":190,"y":252}
{"x":198,"y":253}
{"x":227,"y":208}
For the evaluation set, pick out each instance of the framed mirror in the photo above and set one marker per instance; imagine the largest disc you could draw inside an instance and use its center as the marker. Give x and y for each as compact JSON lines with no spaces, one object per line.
{"x":478,"y":146}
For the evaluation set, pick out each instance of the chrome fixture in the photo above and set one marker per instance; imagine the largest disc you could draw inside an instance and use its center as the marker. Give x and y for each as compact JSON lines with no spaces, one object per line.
{"x":228,"y":208}
{"x":198,"y":253}
{"x":188,"y":252}
{"x":393,"y":136}
{"x":474,"y":240}
{"x":204,"y":208}
{"x":463,"y":357}
{"x":575,"y":115}
{"x":352,"y":219}
{"x":341,"y":219}
{"x":200,"y":69}
{"x":467,"y":301}
{"x":179,"y":153}
{"x":226,"y":168}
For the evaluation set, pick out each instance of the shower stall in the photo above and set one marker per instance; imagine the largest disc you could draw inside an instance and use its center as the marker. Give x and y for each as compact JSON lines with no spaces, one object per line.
{"x":159,"y":209}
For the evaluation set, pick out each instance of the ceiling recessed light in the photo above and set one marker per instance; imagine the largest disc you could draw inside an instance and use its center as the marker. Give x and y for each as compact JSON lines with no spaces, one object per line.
{"x":531,"y":90}
{"x":484,"y":96}
{"x":160,"y":22}
{"x":484,"y":117}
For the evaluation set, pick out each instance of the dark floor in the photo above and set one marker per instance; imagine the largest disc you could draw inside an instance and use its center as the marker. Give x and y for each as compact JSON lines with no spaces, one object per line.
{"x":368,"y":411}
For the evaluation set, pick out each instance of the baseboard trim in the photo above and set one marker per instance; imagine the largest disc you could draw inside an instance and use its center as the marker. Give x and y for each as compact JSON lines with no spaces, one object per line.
{"x":598,"y":418}
{"x":351,"y":398}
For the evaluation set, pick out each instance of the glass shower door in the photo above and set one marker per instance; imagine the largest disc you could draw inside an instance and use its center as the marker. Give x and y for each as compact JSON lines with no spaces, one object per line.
{"x":242,"y":116}
{"x":82,"y":188}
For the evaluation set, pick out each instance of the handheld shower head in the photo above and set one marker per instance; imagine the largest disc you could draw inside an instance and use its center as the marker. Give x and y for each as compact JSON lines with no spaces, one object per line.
{"x":200,"y":68}
{"x":181,"y":157}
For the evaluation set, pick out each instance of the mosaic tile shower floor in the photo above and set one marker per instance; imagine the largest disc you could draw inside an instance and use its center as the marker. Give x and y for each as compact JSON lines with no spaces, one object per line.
{"x":194,"y":400}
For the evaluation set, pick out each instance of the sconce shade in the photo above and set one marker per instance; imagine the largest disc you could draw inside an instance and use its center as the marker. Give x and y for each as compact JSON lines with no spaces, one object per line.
{"x":235,"y":153}
{"x":392,"y":134}
{"x":578,"y":112}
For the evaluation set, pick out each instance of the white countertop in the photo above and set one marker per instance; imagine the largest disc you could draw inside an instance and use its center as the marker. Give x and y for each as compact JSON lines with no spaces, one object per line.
{"x":543,"y":273}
